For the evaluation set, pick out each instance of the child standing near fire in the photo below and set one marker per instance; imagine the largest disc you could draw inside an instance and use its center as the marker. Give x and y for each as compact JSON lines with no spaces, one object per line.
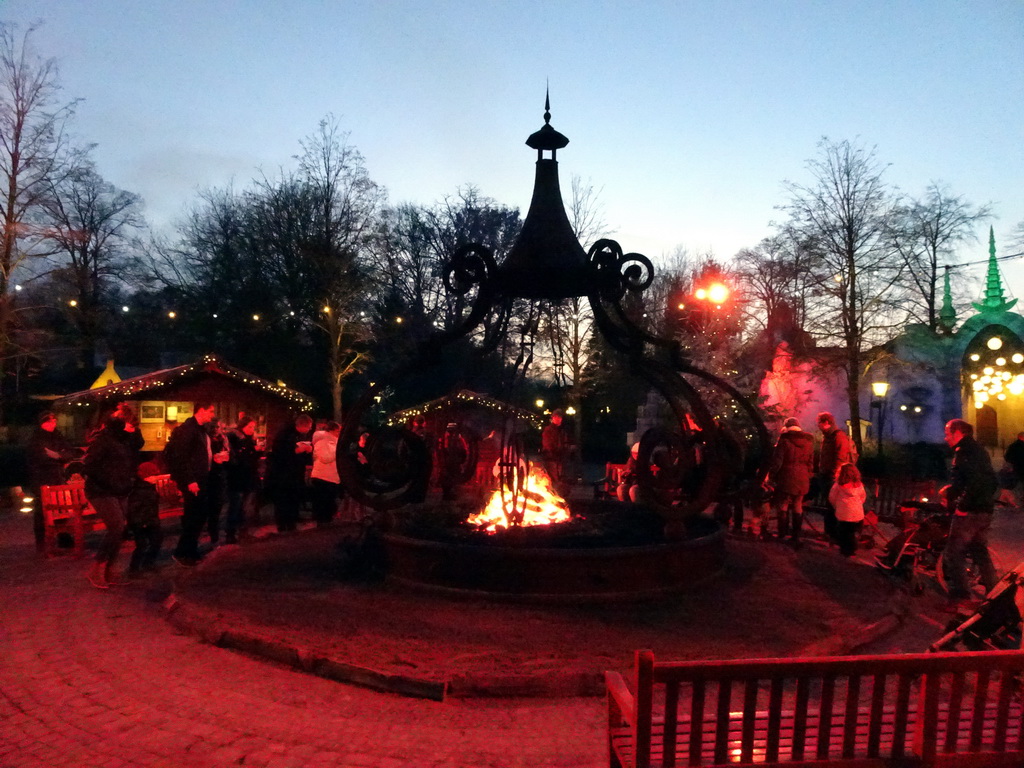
{"x":847,"y":496}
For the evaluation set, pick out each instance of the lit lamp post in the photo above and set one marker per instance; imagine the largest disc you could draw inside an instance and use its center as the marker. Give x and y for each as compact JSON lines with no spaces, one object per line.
{"x":879,"y":390}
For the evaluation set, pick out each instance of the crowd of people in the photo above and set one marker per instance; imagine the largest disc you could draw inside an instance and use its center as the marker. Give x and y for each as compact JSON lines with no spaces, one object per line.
{"x":969,"y":498}
{"x":217,"y":470}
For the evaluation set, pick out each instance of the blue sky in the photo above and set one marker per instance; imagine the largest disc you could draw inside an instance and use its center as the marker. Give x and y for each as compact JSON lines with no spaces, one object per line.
{"x":687,"y":115}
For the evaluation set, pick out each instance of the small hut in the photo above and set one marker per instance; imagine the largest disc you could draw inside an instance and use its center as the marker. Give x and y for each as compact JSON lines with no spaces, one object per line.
{"x":480,"y":419}
{"x":163,"y":399}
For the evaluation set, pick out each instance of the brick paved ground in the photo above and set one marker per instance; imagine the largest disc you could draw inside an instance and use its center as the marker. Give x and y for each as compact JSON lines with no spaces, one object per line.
{"x":89,"y":678}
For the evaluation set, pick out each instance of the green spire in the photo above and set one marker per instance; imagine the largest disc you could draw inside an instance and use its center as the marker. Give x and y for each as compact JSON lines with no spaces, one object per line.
{"x":993,"y":301}
{"x":947,"y":315}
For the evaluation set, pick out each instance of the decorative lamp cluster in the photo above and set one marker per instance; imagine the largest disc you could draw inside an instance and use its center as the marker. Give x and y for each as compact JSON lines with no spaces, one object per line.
{"x":1001,"y":374}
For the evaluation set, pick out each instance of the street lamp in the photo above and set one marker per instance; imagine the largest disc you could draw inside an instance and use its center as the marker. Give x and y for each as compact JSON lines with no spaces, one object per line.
{"x":879,"y":389}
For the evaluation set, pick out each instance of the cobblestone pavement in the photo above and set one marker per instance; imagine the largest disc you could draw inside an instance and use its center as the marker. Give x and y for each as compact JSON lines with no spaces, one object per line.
{"x":90,"y":678}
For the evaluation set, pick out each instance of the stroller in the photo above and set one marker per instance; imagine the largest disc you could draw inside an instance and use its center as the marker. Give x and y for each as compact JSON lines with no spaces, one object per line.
{"x":916,"y":552}
{"x":995,"y":625}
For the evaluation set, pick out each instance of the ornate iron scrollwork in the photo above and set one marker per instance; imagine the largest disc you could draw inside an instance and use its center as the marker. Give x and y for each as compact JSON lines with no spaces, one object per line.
{"x":616,"y":273}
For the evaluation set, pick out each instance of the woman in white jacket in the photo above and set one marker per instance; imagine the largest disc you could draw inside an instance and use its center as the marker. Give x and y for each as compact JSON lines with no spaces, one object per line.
{"x":848,"y":496}
{"x":324,"y":475}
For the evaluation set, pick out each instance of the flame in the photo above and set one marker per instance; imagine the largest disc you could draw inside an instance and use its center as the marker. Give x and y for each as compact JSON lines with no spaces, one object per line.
{"x":536,"y":503}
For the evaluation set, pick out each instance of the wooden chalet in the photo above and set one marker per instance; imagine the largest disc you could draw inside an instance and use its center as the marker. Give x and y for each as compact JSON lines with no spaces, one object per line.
{"x":475,"y":413}
{"x":166,"y":398}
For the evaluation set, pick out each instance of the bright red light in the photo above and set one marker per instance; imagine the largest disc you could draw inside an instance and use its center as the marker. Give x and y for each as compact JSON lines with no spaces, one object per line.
{"x":718,"y":293}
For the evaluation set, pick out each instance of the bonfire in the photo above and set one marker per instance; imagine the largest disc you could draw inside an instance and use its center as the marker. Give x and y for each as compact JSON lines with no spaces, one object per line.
{"x":534,"y":502}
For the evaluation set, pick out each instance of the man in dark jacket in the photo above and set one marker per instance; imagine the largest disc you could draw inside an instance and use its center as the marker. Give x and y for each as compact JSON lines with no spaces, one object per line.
{"x":188,"y":457}
{"x":243,"y":474}
{"x":790,"y":475}
{"x":48,"y":450}
{"x":291,"y":453}
{"x":971,"y":495}
{"x":837,"y":448}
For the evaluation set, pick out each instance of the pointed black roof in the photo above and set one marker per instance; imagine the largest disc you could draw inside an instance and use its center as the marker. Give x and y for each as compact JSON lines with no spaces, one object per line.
{"x":547,"y":261}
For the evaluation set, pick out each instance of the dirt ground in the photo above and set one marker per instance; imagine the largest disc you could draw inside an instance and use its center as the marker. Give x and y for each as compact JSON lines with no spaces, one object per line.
{"x":770,"y":601}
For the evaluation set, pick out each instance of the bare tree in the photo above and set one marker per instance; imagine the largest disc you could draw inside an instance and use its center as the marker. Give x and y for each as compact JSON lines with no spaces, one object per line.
{"x":926,"y":234}
{"x":845,"y":216}
{"x":568,"y":326}
{"x":94,"y":226}
{"x":32,"y":155}
{"x":775,"y":272}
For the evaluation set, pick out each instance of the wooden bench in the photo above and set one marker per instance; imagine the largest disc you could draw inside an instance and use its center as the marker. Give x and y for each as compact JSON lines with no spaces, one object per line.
{"x":66,"y":509}
{"x":886,"y":495}
{"x":923,"y":710}
{"x":608,"y":486}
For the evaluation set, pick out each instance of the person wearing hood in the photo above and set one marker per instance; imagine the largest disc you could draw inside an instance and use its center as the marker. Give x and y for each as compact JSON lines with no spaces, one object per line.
{"x":790,"y":476}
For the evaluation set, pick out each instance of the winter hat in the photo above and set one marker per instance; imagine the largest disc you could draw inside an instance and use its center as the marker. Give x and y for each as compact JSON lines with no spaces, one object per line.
{"x":147,"y":469}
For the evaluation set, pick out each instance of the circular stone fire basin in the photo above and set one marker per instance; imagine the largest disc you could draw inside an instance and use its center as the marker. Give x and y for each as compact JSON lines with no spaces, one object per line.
{"x":613,"y":551}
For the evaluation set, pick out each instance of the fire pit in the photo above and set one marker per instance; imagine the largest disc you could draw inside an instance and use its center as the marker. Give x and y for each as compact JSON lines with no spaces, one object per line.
{"x":583,"y":550}
{"x":608,"y":551}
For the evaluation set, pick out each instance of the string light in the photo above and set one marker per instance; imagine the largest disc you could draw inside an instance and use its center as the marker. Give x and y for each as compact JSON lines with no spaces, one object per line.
{"x":171,"y":376}
{"x":465,"y":396}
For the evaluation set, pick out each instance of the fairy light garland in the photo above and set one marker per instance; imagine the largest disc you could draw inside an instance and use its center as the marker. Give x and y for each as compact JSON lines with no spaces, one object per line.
{"x":465,"y":396}
{"x":166,"y":378}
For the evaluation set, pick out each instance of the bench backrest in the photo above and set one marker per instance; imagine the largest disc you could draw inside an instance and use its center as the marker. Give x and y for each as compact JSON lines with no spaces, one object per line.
{"x":61,"y":502}
{"x":887,"y":495}
{"x":168,"y":491}
{"x":851,"y":707}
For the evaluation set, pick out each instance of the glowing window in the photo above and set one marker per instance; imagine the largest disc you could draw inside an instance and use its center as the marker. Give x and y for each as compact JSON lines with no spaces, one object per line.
{"x":994,"y":343}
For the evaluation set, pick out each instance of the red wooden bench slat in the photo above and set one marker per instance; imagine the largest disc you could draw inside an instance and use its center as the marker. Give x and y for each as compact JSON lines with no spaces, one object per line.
{"x":825,"y":716}
{"x":850,"y":714}
{"x":899,"y":736}
{"x":671,"y":722}
{"x":1006,"y":690}
{"x":978,"y":717}
{"x":926,"y":741}
{"x":697,"y":701}
{"x":722,"y":721}
{"x":803,"y":695}
{"x":956,"y":694}
{"x":749,"y":721}
{"x":774,"y":719}
{"x":644,"y":706}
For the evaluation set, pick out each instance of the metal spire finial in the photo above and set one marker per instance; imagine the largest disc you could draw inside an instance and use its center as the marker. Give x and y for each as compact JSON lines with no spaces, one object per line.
{"x":547,"y":103}
{"x":994,"y":300}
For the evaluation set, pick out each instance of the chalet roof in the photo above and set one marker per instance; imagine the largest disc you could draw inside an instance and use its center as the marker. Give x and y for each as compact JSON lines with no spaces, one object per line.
{"x":153,"y":383}
{"x":467,"y":397}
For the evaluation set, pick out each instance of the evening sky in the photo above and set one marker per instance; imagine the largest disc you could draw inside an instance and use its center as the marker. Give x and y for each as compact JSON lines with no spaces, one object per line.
{"x":687,"y":116}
